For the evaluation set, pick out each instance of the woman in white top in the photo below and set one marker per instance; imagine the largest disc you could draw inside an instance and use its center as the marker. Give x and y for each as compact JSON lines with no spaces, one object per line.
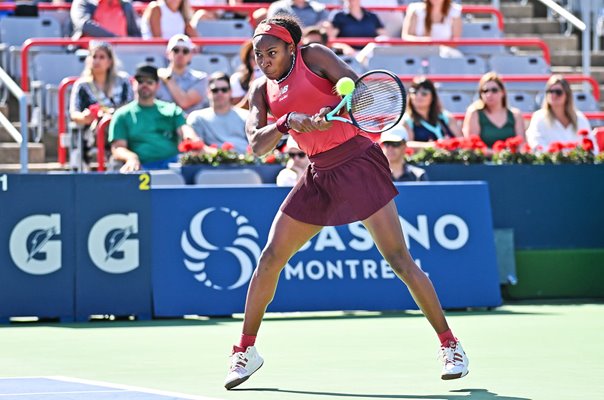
{"x":557,"y":120}
{"x":166,"y":18}
{"x":432,"y":20}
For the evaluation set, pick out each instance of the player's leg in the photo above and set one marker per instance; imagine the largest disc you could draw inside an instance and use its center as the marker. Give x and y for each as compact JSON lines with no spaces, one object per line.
{"x":385,"y":228}
{"x":286,"y":236}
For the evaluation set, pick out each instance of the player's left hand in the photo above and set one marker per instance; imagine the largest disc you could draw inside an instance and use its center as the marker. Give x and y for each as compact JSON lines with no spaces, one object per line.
{"x":319,"y":119}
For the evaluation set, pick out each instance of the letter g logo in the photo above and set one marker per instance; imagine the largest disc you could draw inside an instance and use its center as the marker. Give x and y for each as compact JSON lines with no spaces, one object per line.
{"x":111,"y":246}
{"x":33,"y":244}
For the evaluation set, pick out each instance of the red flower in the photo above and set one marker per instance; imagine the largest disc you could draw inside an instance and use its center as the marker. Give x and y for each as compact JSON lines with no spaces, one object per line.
{"x":270,"y":159}
{"x":197,"y":145}
{"x":555,"y":147}
{"x":185,"y":146}
{"x":467,"y":144}
{"x":227,"y":146}
{"x":513,"y":143}
{"x":249,"y":150}
{"x":499,"y":146}
{"x":587,"y":144}
{"x":525,"y":148}
{"x":214,"y":146}
{"x":409,"y":151}
{"x":583,"y":132}
{"x":570,"y":145}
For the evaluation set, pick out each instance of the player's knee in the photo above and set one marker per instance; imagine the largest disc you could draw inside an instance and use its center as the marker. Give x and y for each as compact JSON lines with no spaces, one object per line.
{"x":401,"y":264}
{"x":271,"y":261}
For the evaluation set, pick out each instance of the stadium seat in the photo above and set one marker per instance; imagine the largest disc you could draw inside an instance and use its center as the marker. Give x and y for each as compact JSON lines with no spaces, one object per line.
{"x":48,"y":70}
{"x":585,"y":102}
{"x":454,"y":102}
{"x":481,"y":30}
{"x":236,"y":176}
{"x":127,"y":62}
{"x":224,"y":29}
{"x":165,"y":177}
{"x":523,"y":101}
{"x":210,"y":63}
{"x":520,"y":65}
{"x":401,"y":65}
{"x":16,"y":30}
{"x":467,"y":65}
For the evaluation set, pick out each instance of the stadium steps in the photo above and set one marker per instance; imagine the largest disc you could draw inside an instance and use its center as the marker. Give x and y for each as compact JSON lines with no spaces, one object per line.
{"x":531,"y":26}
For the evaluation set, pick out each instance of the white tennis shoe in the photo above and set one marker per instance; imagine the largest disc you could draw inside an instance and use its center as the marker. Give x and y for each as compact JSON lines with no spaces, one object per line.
{"x":243,"y":365}
{"x":455,"y":361}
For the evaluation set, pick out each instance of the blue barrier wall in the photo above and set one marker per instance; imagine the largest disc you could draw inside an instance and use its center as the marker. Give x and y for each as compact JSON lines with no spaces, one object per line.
{"x":548,"y":206}
{"x":77,"y":245}
{"x":207,"y":247}
{"x":37,"y":246}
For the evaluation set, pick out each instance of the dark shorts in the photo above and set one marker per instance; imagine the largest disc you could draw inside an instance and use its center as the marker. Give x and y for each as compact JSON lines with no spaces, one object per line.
{"x":345,"y":184}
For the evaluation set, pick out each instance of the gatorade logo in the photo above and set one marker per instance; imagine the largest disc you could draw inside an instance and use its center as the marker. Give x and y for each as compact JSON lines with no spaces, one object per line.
{"x":35,"y":245}
{"x":111,"y":244}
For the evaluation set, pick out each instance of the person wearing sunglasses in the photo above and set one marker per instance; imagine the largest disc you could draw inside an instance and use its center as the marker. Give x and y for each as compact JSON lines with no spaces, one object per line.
{"x":425,"y":119}
{"x":144,"y":134}
{"x":296,"y":164}
{"x":557,"y":120}
{"x":221,"y":122}
{"x":394,"y":146}
{"x":490,"y":117}
{"x":179,"y":83}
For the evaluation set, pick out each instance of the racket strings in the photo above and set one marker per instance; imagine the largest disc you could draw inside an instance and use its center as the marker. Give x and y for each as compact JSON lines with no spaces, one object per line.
{"x":377,"y":103}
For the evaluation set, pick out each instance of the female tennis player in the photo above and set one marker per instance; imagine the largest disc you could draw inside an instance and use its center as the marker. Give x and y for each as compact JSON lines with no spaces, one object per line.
{"x":297,"y":89}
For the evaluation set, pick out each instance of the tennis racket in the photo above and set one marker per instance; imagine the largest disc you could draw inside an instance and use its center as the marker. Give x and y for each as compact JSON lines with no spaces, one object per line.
{"x":376,"y":104}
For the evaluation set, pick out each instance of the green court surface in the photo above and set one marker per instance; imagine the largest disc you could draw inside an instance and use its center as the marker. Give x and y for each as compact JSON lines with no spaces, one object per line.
{"x":517,"y":352}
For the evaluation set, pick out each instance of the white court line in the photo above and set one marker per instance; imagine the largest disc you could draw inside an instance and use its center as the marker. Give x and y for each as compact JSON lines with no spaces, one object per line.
{"x":71,"y":392}
{"x":130,"y":388}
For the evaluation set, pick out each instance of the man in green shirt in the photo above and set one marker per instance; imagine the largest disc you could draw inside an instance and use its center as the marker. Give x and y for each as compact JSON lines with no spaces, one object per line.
{"x":145,"y":133}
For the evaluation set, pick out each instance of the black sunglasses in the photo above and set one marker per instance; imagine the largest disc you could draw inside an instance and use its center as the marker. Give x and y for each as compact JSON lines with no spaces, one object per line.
{"x":392,"y":144}
{"x":492,"y":90}
{"x":145,"y":81}
{"x":219,"y":89}
{"x":177,"y":50}
{"x":557,"y":92}
{"x":294,"y":155}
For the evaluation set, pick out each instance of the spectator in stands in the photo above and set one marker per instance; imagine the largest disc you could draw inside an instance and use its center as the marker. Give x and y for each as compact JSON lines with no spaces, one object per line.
{"x":317,"y":34}
{"x":394,"y":146}
{"x":179,"y":83}
{"x":490,"y":117}
{"x":221,"y":122}
{"x":97,"y":93}
{"x":309,"y":12}
{"x":557,"y":120}
{"x":434,"y":20}
{"x":425,"y":120}
{"x":166,"y":18}
{"x":296,"y":164}
{"x":354,"y":21}
{"x":245,"y":74}
{"x":205,"y":14}
{"x":144,"y":133}
{"x":391,"y":19}
{"x":103,"y":18}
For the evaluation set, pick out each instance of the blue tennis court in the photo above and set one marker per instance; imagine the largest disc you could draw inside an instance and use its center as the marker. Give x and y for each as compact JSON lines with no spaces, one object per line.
{"x":49,"y":388}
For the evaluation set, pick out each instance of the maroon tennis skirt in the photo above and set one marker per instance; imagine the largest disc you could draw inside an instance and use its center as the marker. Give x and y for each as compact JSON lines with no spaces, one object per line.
{"x":345,"y":184}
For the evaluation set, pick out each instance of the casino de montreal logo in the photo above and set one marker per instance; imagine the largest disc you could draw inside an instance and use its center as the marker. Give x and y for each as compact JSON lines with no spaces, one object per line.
{"x":199,"y":251}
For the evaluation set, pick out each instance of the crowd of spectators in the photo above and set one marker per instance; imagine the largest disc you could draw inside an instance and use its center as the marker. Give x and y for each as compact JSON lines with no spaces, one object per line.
{"x":213,"y":108}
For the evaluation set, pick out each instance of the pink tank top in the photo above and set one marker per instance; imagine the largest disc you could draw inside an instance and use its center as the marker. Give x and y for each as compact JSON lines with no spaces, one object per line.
{"x":304,"y":91}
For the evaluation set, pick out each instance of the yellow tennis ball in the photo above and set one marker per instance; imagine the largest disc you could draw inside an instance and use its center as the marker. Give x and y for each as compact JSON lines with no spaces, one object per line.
{"x":344,"y":86}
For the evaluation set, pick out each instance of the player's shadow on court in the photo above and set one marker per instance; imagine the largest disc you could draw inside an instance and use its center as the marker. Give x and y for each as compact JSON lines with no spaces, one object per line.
{"x":460,"y":394}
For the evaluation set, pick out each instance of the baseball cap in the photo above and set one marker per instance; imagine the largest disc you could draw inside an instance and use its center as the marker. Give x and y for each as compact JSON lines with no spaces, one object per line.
{"x":147,"y":71}
{"x":180,"y":40}
{"x":396,"y":134}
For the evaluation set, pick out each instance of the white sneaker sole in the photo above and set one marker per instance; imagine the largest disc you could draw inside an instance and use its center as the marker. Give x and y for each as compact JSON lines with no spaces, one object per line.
{"x":454,"y":376}
{"x":237,"y":382}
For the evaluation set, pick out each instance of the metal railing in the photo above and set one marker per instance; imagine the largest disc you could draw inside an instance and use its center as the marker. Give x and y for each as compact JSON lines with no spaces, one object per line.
{"x":20,"y":137}
{"x":585,"y":28}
